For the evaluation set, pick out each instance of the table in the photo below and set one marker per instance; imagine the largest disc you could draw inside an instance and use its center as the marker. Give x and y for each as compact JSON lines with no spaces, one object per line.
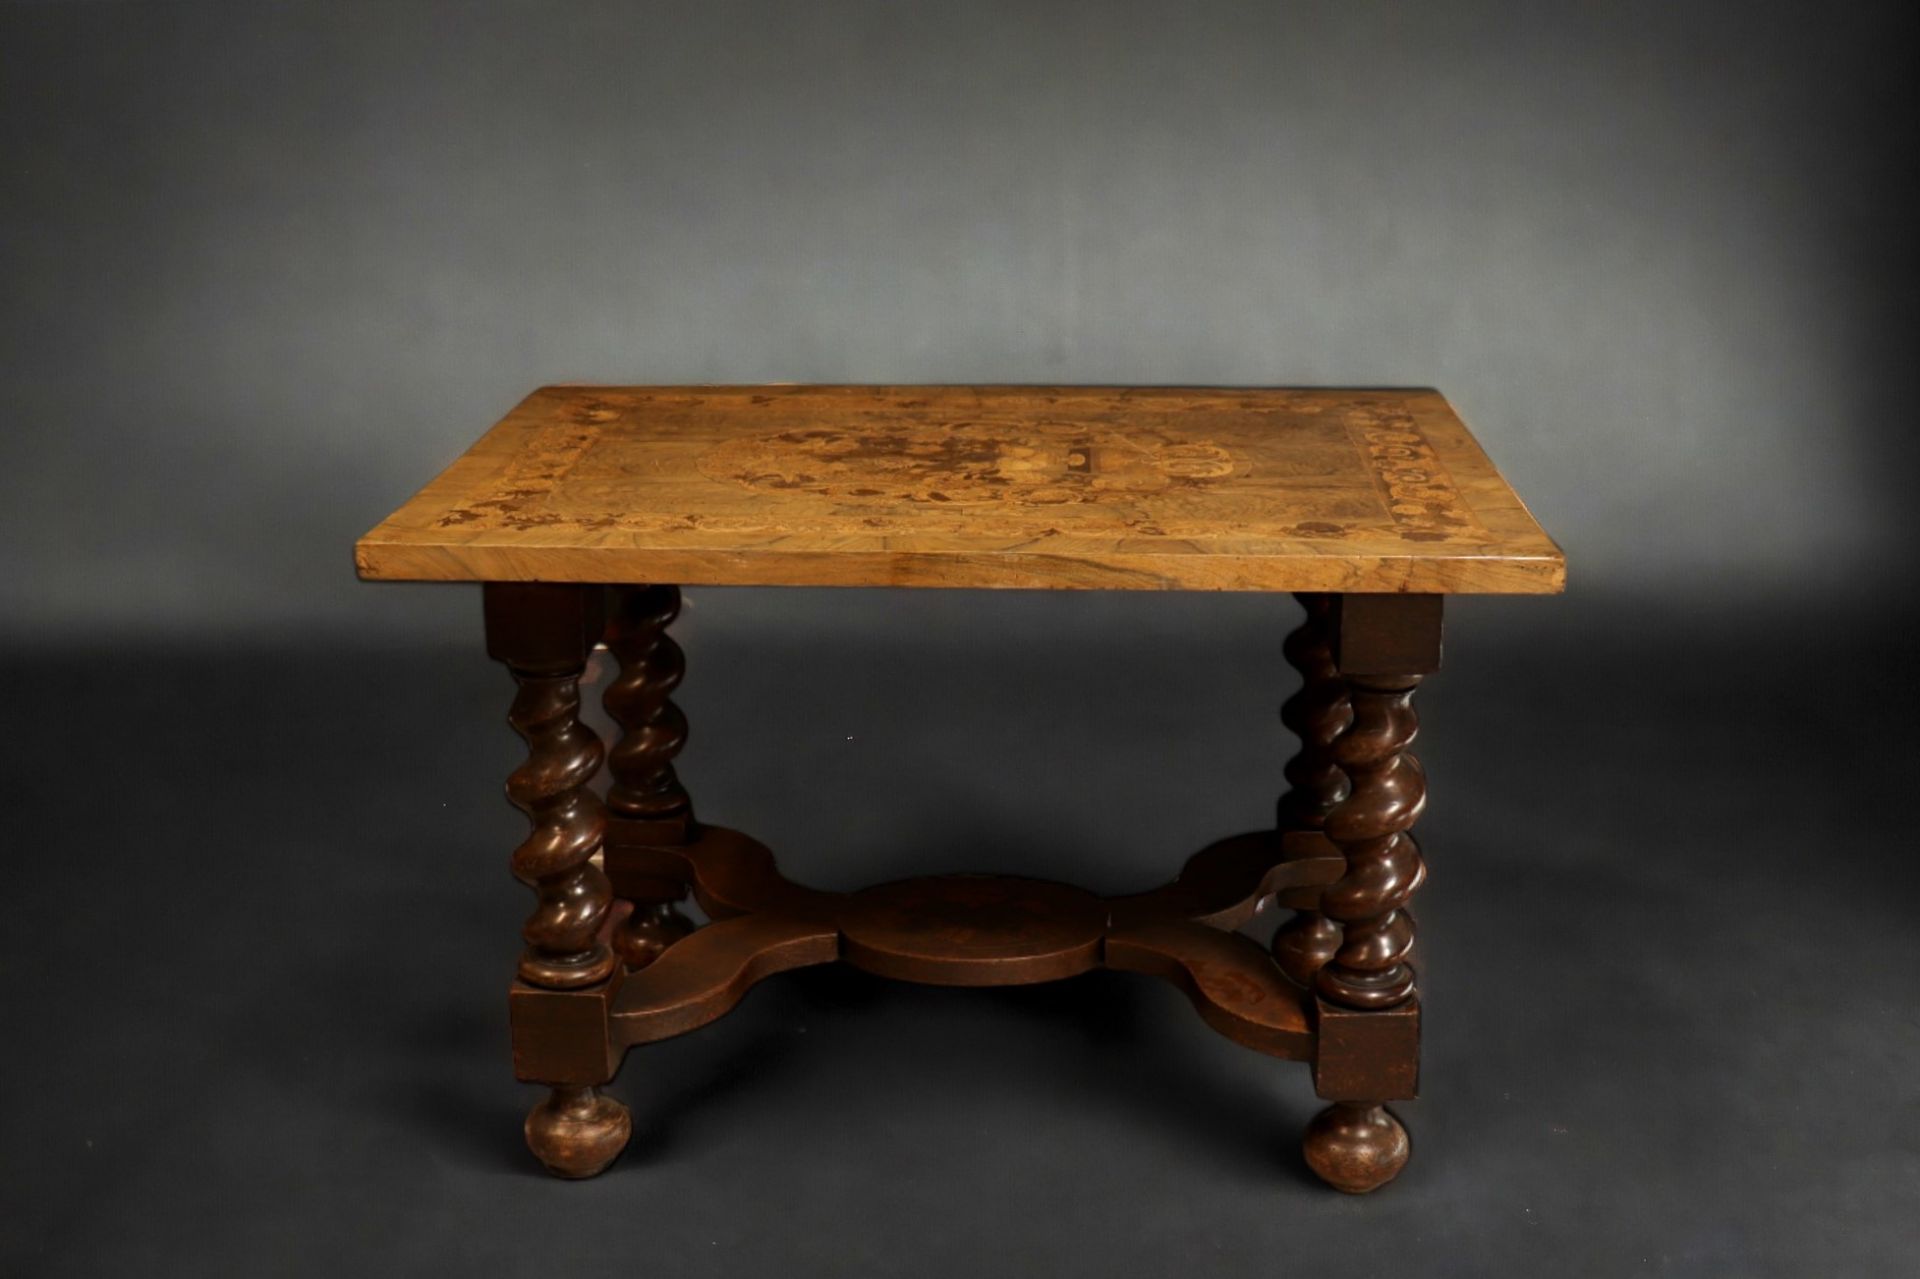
{"x":586,"y":509}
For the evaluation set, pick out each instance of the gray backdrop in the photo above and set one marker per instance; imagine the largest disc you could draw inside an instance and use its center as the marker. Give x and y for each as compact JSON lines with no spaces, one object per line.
{"x":268,"y":267}
{"x":265,"y":267}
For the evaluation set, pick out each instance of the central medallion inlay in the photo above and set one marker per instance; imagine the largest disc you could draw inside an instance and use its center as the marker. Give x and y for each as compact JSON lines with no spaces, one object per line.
{"x":967,"y":462}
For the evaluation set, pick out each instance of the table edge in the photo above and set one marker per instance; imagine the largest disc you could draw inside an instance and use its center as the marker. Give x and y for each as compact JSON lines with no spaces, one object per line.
{"x":1503,"y":574}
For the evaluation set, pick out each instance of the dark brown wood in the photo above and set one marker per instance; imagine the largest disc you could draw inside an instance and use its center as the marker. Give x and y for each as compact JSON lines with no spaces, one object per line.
{"x":704,"y":976}
{"x":973,"y":930}
{"x":978,"y":930}
{"x":1297,"y":888}
{"x":1318,"y":713}
{"x":542,"y":627}
{"x":1342,"y":858}
{"x":1370,"y":826}
{"x":1356,"y":1147}
{"x":1367,"y":1056}
{"x":577,"y":1132}
{"x":568,"y":972}
{"x":1366,"y":1013}
{"x":640,"y":700}
{"x":543,"y":633}
{"x":731,"y":875}
{"x":1379,"y":633}
{"x":562,"y":1036}
{"x":647,"y":931}
{"x":1231,"y":981}
{"x":1225,"y":884}
{"x":647,"y":806}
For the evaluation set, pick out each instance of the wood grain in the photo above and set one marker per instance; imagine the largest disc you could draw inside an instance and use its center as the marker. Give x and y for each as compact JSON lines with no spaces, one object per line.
{"x":976,"y":930}
{"x":973,"y":930}
{"x":1317,"y":714}
{"x":1356,"y":1147}
{"x":544,"y":633}
{"x":1038,"y":487}
{"x":643,"y":786}
{"x":577,"y":1131}
{"x":1224,"y":884}
{"x":1371,"y":827}
{"x":1234,"y":985}
{"x":702,"y":976}
{"x":645,"y":800}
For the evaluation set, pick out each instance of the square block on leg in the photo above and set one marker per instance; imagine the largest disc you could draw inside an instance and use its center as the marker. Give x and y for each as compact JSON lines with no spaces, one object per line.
{"x":540,"y":626}
{"x":1367,"y":1056}
{"x":564,"y":1036}
{"x":1387,"y":634}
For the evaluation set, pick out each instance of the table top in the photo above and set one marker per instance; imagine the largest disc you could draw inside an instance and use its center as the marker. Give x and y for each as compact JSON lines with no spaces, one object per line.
{"x":1154,"y":488}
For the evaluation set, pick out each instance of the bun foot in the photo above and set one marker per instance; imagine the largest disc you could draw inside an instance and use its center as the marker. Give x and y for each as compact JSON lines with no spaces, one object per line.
{"x":576,"y":1132}
{"x":1356,"y":1147}
{"x":650,"y":929}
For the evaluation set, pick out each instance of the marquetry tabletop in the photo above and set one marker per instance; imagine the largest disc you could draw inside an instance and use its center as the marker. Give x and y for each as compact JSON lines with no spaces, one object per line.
{"x":1366,"y":490}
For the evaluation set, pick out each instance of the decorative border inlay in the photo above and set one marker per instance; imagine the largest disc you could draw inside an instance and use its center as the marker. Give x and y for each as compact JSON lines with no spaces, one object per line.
{"x":551,"y":452}
{"x":1418,"y":493}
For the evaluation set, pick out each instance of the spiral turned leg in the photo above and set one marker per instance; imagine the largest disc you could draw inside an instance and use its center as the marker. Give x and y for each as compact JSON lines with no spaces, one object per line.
{"x":1370,"y":826}
{"x":564,"y":950}
{"x":544,"y":633}
{"x":645,"y":798}
{"x":1317,"y":714}
{"x":1358,"y":1145}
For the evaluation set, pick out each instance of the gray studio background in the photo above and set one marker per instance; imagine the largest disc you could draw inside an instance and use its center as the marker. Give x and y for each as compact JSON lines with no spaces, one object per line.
{"x":268,"y":267}
{"x":265,"y":268}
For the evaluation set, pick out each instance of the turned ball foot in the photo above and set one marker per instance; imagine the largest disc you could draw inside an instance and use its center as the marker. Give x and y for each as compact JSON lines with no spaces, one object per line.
{"x":576,"y":1132}
{"x":1356,"y":1147}
{"x":648,"y":931}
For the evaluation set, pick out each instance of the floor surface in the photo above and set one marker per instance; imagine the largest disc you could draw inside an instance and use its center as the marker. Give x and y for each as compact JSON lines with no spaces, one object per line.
{"x":259,"y":929}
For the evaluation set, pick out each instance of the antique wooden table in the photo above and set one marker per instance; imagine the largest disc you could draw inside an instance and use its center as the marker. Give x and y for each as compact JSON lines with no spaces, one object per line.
{"x":585,"y":510}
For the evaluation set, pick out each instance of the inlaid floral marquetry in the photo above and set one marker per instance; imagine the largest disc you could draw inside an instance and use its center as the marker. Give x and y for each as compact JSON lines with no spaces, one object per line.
{"x":1151,"y":488}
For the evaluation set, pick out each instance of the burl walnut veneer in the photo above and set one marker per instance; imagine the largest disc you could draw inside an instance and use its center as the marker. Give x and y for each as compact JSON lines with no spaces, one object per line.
{"x":585,"y":510}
